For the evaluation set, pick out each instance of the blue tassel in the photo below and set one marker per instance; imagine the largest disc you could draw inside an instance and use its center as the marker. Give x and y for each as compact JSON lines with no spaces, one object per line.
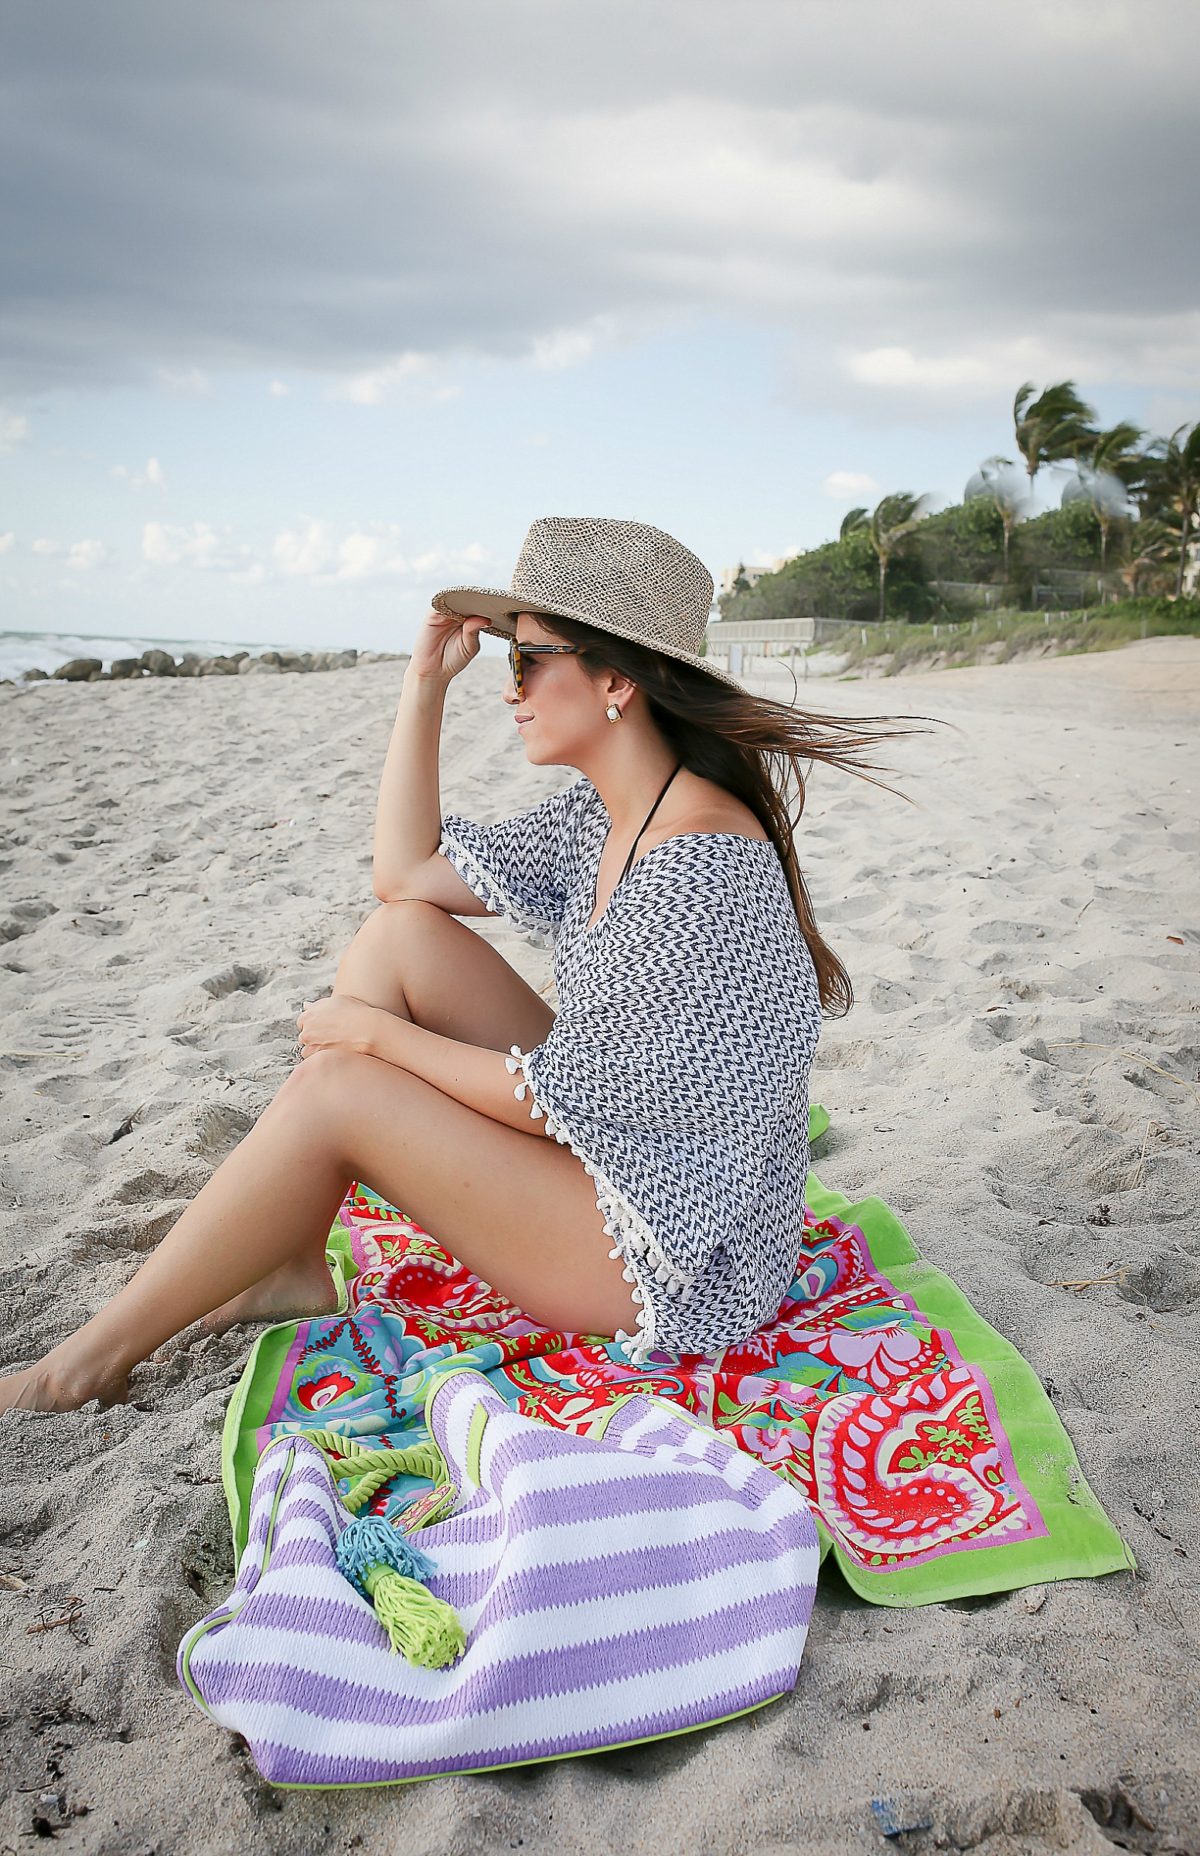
{"x":370,"y":1541}
{"x":391,"y":1573}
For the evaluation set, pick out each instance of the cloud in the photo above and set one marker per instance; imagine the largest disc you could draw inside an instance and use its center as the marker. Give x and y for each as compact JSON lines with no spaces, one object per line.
{"x":896,"y":381}
{"x":173,"y":545}
{"x":899,"y":367}
{"x":373,"y":552}
{"x":150,"y":478}
{"x":761,"y":557}
{"x":6,"y":542}
{"x":194,"y":192}
{"x":570,"y":347}
{"x":373,"y":387}
{"x":279,"y":390}
{"x":306,"y":552}
{"x":188,"y":382}
{"x":81,"y":555}
{"x":315,"y":551}
{"x":845,"y":486}
{"x":14,"y":430}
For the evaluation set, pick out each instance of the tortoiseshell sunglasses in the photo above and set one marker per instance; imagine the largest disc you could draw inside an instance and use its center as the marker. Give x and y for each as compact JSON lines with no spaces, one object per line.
{"x":517,"y":651}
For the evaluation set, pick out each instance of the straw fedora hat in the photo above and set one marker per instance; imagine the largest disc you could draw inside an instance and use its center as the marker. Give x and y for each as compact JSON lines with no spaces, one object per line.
{"x":622,"y":577}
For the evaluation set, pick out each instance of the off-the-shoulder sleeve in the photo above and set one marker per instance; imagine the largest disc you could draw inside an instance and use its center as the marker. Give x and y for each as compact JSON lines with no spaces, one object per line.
{"x":520,"y":866}
{"x":682,"y":1059}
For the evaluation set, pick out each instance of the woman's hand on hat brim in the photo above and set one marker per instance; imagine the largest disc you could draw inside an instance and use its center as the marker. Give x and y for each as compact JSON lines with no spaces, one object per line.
{"x":446,"y":644}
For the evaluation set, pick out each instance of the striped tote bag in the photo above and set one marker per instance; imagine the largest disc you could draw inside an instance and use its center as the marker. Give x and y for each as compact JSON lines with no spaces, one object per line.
{"x":612,"y":1588}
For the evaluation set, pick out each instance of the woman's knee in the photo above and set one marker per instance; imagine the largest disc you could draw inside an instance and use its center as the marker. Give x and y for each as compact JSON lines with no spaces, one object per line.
{"x":321,"y":1096}
{"x":388,"y":940}
{"x":397,"y":922}
{"x":317,"y":1079}
{"x":449,"y":979}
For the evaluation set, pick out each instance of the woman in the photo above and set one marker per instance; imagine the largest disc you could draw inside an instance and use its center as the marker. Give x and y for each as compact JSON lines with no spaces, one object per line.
{"x":665,"y":1210}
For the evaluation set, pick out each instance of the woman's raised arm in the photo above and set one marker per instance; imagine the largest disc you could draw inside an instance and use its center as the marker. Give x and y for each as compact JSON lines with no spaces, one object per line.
{"x":408,"y":817}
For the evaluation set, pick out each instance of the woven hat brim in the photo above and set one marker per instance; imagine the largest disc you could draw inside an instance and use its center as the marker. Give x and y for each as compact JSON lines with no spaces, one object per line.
{"x":500,"y":606}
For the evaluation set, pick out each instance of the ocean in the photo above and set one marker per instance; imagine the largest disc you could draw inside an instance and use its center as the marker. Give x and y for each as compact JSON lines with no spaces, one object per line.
{"x":49,"y":651}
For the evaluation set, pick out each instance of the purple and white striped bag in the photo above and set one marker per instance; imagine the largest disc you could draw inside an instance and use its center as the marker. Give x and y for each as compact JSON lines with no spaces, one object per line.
{"x":613,"y":1588}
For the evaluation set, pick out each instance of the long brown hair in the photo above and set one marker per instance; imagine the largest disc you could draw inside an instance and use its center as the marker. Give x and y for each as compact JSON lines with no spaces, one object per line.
{"x":751,"y":746}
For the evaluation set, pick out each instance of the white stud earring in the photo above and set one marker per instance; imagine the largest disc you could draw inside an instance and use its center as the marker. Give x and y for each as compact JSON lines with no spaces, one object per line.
{"x":613,"y":712}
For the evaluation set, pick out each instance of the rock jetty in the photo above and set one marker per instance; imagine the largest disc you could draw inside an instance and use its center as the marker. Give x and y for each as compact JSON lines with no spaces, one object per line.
{"x":155,"y":663}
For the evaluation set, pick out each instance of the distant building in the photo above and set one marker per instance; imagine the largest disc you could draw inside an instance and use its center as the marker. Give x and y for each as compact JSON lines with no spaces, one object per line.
{"x":751,"y":574}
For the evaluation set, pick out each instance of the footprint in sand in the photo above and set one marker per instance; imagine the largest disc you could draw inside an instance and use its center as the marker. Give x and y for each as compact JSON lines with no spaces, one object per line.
{"x":150,"y":1184}
{"x":134,"y":1231}
{"x":854,"y":908}
{"x":847,"y":1056}
{"x":207,"y":1561}
{"x":891,"y":996}
{"x":1169,"y":1284}
{"x":1000,"y":965}
{"x":219,"y":1127}
{"x":1009,"y":932}
{"x":98,"y":925}
{"x":995,"y":1027}
{"x":232,"y":979}
{"x":23,"y":917}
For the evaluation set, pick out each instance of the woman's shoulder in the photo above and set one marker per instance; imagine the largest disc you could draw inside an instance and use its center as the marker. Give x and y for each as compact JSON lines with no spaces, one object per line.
{"x":710,"y":810}
{"x":707,"y":809}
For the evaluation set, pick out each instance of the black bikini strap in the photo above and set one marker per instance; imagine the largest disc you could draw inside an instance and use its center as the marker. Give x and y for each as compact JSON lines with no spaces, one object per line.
{"x":649,"y":816}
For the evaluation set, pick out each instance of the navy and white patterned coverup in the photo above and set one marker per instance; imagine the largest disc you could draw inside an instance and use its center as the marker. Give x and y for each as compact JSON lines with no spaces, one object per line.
{"x":677,"y":1067}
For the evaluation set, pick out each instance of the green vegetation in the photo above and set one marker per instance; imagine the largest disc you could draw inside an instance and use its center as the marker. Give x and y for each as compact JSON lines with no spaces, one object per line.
{"x":1128,"y":511}
{"x":995,"y":637}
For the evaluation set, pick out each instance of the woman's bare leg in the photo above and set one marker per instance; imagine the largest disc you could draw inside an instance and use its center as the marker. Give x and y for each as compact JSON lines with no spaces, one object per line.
{"x":512,"y":1204}
{"x":518,"y":1210}
{"x":268,"y":1198}
{"x":412,"y":959}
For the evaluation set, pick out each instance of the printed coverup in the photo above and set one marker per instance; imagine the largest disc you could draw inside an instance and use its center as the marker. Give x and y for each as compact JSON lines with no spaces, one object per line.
{"x":677,"y":1068}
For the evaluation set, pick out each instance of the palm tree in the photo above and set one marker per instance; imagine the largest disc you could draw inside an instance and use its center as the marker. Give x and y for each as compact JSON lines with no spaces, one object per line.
{"x":999,"y":480}
{"x":892,"y":519}
{"x":852,"y":520}
{"x":1052,"y":427}
{"x":1117,"y":451}
{"x":1109,"y":467}
{"x":1152,"y":543}
{"x":1173,"y":486}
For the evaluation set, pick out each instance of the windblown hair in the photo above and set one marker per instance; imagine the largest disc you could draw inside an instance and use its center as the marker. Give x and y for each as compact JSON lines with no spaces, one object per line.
{"x":751,"y":746}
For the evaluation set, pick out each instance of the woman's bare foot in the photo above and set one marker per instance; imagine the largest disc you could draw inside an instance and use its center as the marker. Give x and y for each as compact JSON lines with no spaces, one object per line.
{"x":57,"y":1383}
{"x":301,"y":1287}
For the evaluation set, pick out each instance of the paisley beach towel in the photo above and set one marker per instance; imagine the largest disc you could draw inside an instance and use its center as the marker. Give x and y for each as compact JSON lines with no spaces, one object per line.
{"x":932,"y":1460}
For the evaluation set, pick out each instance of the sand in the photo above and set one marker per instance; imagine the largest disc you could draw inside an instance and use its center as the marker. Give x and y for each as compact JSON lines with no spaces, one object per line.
{"x":183,"y":863}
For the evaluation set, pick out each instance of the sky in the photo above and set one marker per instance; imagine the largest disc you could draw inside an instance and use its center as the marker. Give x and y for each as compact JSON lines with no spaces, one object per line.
{"x":307,"y":311}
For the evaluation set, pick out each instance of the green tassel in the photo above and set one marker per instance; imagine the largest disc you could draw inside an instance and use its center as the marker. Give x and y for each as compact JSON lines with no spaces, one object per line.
{"x":422,"y":1627}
